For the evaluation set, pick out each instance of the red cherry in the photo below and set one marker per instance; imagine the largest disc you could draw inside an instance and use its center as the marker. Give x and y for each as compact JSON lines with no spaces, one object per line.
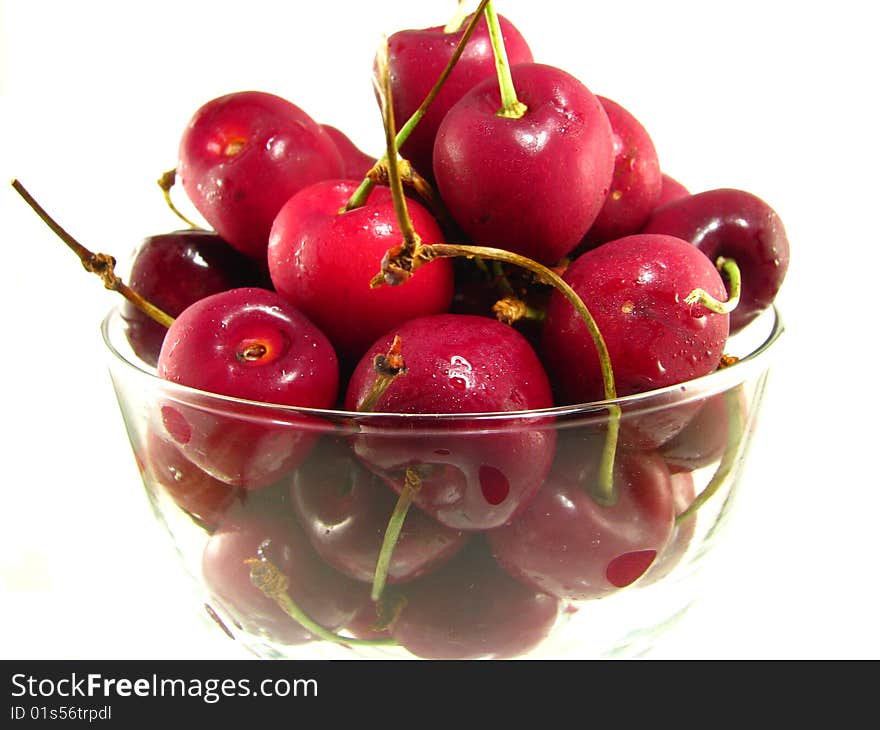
{"x":344,"y":509}
{"x":355,"y":163}
{"x":470,"y":609}
{"x":243,"y":155}
{"x":199,"y":494}
{"x":325,"y":596}
{"x":251,"y":344}
{"x":533,"y":185}
{"x":636,"y":288}
{"x":737,"y":225}
{"x":682,"y":485}
{"x":637,"y":181}
{"x":670,"y":190}
{"x":174,"y":270}
{"x":569,"y":545}
{"x":322,"y":261}
{"x":416,"y":58}
{"x":474,"y":475}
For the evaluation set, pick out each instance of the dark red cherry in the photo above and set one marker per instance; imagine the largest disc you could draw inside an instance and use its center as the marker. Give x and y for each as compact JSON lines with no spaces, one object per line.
{"x":569,"y":545}
{"x":206,"y":499}
{"x":474,"y":475}
{"x":355,"y":163}
{"x":637,"y":181}
{"x":737,"y":225}
{"x":326,"y":596}
{"x":322,"y":261}
{"x":670,"y":190}
{"x":416,"y":58}
{"x":704,"y":439}
{"x":636,"y":287}
{"x":249,"y":344}
{"x":344,"y":509}
{"x":533,"y":185}
{"x":174,"y":270}
{"x":243,"y":155}
{"x":470,"y":609}
{"x":682,"y":485}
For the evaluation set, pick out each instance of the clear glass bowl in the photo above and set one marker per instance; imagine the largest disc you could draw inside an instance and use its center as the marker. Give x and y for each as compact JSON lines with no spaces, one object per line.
{"x":508,"y":549}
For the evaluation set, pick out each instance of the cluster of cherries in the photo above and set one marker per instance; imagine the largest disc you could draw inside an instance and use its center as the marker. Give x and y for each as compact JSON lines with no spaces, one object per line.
{"x":323,"y":286}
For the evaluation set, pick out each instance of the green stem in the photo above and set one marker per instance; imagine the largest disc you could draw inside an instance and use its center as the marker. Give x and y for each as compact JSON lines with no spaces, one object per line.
{"x":166,"y":182}
{"x":266,"y":576}
{"x":511,"y":107}
{"x":728,"y":268}
{"x":360,"y":195}
{"x":411,"y":484}
{"x":455,"y":23}
{"x":735,"y":433}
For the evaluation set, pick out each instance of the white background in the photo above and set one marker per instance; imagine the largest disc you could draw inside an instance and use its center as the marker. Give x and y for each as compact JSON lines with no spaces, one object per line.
{"x":776,"y":98}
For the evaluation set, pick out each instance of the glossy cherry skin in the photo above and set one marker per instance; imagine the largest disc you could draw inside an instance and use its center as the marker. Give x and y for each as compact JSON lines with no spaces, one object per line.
{"x":249,"y":344}
{"x":470,"y":608}
{"x":671,"y":189}
{"x":195,"y":491}
{"x":344,"y":509}
{"x":174,"y":270}
{"x":474,"y":475}
{"x":243,"y":155}
{"x":322,"y":261}
{"x":635,"y":288}
{"x":355,"y":163}
{"x":738,"y":225}
{"x":637,"y":181}
{"x":326,"y":596}
{"x":416,"y":58}
{"x":532,"y":185}
{"x":569,"y":545}
{"x":683,"y":494}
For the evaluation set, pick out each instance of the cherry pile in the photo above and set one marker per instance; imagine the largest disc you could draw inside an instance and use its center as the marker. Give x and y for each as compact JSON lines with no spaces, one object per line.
{"x":321,"y":285}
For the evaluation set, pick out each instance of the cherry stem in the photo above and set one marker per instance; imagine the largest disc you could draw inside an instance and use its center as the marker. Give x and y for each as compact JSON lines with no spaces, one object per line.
{"x":411,"y":485}
{"x":511,"y":107}
{"x":728,"y":268}
{"x":512,"y":309}
{"x":399,"y":264}
{"x":360,"y":195}
{"x":101,"y":264}
{"x":388,"y":368}
{"x":457,"y":20}
{"x":166,"y":182}
{"x":378,"y":173}
{"x":266,"y":576}
{"x":732,"y":453}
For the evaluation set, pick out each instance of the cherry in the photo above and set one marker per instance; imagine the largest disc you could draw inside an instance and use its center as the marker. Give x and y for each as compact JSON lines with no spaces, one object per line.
{"x":738,"y":225}
{"x":533,"y":184}
{"x":243,"y":155}
{"x":250,"y":344}
{"x":344,"y":509}
{"x":636,"y":289}
{"x":637,"y":181}
{"x":174,"y":270}
{"x":704,"y":438}
{"x":355,"y":163}
{"x":473,"y":475}
{"x":671,"y":189}
{"x":569,"y":545}
{"x":199,"y":494}
{"x":682,"y":489}
{"x":470,"y":609}
{"x":323,"y":260}
{"x":416,"y":58}
{"x":326,"y":596}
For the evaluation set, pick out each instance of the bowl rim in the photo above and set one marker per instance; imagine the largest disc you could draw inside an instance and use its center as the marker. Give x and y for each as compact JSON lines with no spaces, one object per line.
{"x":720,"y":380}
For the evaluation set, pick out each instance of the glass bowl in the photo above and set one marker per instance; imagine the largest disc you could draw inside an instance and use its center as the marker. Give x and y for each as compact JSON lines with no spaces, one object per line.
{"x":510,"y":546}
